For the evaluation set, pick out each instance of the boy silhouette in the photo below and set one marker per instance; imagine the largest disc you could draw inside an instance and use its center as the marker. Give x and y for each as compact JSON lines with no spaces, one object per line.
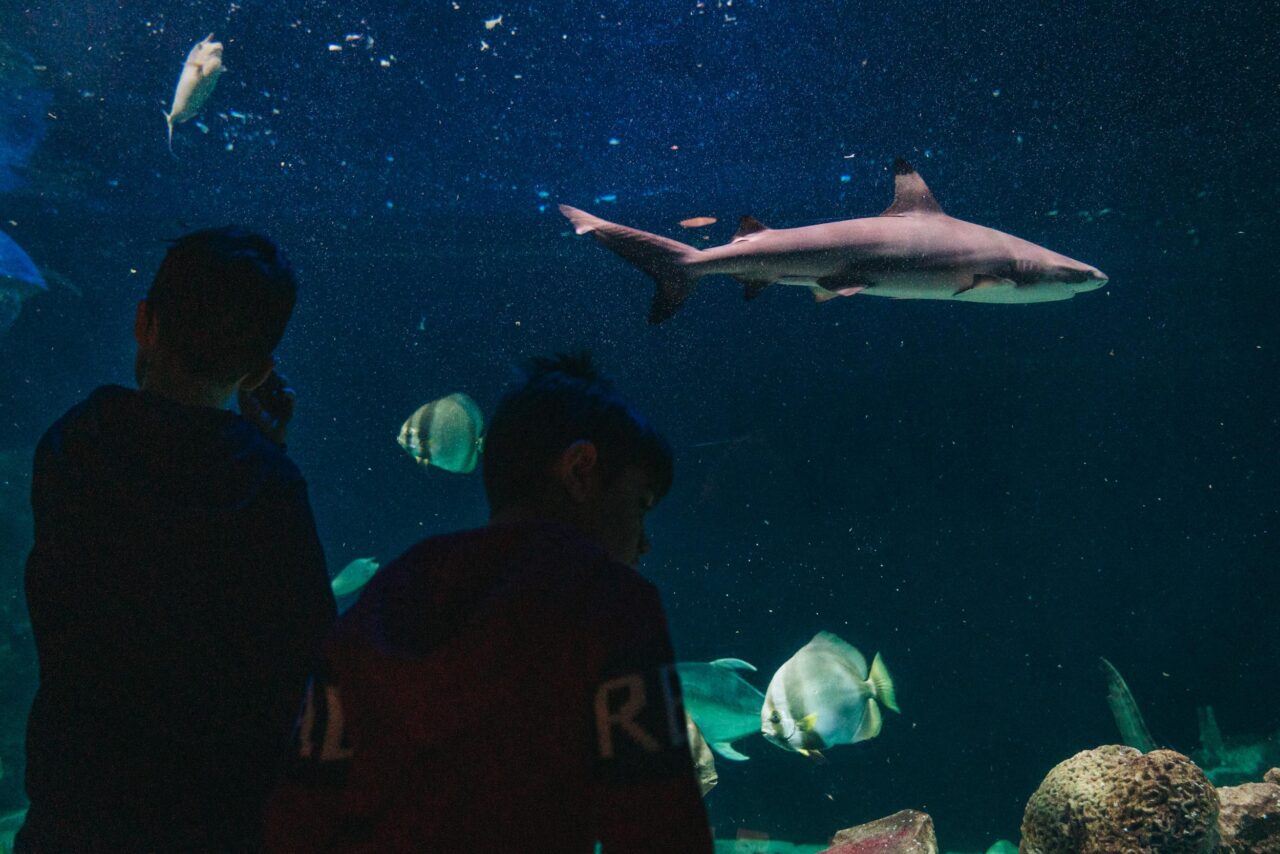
{"x":177,"y":589}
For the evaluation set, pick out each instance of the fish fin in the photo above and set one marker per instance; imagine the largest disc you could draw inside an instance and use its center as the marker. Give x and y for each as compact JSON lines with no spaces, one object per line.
{"x":815,"y":755}
{"x":726,"y":750}
{"x":910,"y":193}
{"x":748,"y":226}
{"x":808,"y":722}
{"x":733,"y":664}
{"x":982,"y":281}
{"x":752,"y":288}
{"x":662,"y":258}
{"x":843,"y":284}
{"x":842,"y":648}
{"x":882,"y":684}
{"x":168,"y":120}
{"x":871,"y":722}
{"x":822,"y":294}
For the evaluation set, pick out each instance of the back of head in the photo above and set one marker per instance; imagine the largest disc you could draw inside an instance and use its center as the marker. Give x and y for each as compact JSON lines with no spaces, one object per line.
{"x":564,"y":400}
{"x":221,"y":300}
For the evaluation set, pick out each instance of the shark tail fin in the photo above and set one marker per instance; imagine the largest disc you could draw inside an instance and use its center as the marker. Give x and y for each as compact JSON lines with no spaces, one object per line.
{"x":665,"y":260}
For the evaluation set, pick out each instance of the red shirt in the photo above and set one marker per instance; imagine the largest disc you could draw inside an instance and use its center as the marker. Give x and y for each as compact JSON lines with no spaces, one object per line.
{"x":499,"y":689}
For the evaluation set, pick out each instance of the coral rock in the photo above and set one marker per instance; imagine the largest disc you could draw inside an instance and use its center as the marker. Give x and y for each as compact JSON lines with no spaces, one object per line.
{"x":1116,"y":800}
{"x":905,"y":832}
{"x":1250,"y":817}
{"x":1272,"y":776}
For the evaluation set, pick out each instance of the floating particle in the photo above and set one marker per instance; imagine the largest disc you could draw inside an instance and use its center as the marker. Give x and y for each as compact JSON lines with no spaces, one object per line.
{"x":608,"y":197}
{"x":490,"y":23}
{"x":543,"y":194}
{"x":698,"y":221}
{"x":845,"y":179}
{"x":995,"y":93}
{"x":613,"y":140}
{"x":484,"y":45}
{"x":335,"y":48}
{"x":390,"y":204}
{"x":384,"y":63}
{"x":675,"y":148}
{"x":353,"y":37}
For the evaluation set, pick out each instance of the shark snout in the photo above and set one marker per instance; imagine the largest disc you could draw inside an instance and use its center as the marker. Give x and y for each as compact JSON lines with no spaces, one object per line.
{"x":1094,"y":279}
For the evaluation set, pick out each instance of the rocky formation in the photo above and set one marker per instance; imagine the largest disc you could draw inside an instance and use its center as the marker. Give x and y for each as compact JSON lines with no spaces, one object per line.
{"x":1250,"y":816}
{"x":1116,"y":799}
{"x":905,"y":832}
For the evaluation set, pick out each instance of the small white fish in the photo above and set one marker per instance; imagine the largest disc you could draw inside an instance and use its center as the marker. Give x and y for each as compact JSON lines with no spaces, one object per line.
{"x":354,"y":576}
{"x":824,"y":695}
{"x":446,"y":433}
{"x":200,"y":74}
{"x":490,"y":23}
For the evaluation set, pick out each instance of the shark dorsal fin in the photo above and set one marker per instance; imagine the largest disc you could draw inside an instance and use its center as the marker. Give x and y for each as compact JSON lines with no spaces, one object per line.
{"x":747,"y":226}
{"x":910,"y":193}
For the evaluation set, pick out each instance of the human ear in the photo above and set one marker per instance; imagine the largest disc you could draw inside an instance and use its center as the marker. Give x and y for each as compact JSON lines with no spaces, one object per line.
{"x":144,"y":325}
{"x":576,"y":469}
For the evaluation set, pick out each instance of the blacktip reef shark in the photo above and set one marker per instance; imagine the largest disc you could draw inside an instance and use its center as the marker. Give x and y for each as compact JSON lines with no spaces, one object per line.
{"x":911,"y":251}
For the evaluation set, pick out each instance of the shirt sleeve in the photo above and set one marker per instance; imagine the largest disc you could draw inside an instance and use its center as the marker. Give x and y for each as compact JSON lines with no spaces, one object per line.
{"x":646,"y":794}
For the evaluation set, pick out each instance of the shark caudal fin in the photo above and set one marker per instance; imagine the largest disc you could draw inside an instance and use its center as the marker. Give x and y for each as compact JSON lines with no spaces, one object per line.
{"x":665,"y":260}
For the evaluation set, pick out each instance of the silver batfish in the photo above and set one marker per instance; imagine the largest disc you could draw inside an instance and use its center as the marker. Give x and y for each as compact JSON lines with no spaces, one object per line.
{"x":825,"y":695}
{"x":447,"y":433}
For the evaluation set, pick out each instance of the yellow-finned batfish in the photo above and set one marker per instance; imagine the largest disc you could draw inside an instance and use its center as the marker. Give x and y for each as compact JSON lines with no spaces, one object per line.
{"x":824,"y":695}
{"x":354,"y":576}
{"x":704,"y":762}
{"x":447,"y":433}
{"x":200,"y":74}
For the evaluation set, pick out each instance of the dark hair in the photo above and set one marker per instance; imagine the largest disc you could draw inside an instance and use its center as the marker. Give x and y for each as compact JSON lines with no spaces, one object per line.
{"x":221,"y":300}
{"x":564,"y":400}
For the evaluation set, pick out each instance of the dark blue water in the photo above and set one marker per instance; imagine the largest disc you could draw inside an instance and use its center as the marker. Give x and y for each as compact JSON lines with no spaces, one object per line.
{"x":990,"y":496}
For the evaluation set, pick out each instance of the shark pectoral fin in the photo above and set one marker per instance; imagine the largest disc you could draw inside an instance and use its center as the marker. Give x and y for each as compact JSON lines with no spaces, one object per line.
{"x":821,"y":294}
{"x":982,"y":281}
{"x":748,"y":226}
{"x":843,"y":284}
{"x":726,"y":750}
{"x":752,"y":288}
{"x":871,"y":721}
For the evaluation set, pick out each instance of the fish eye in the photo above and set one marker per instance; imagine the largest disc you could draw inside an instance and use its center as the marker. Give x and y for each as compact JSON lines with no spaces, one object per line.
{"x":776,"y":717}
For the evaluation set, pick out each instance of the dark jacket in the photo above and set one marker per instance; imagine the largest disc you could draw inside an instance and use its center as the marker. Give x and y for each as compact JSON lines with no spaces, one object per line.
{"x":178,"y":596}
{"x":505,"y":689}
